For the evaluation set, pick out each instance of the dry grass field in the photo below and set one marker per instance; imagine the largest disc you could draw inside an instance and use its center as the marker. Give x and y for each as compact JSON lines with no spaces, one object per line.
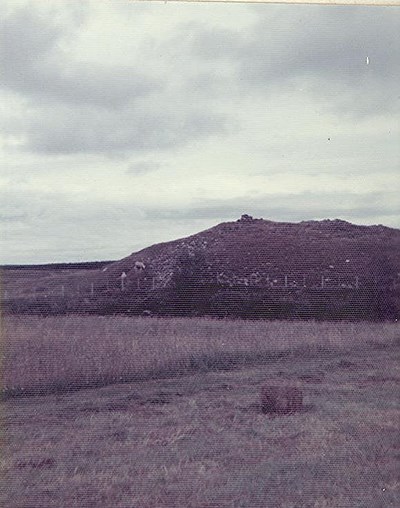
{"x":135,"y":412}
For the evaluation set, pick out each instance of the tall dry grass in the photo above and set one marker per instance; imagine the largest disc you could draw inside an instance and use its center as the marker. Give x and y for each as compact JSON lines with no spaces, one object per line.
{"x":48,"y":354}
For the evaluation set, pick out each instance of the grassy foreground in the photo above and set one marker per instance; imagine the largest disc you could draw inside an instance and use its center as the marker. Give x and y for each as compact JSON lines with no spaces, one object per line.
{"x":200,"y":440}
{"x":56,"y":354}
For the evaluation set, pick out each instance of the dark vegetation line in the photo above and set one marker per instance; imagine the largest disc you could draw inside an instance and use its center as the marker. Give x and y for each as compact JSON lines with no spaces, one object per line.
{"x":83,"y":265}
{"x":196,"y":363}
{"x":369,"y":304}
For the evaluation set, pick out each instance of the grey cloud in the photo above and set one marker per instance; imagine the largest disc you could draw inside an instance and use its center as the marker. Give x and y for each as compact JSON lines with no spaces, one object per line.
{"x":78,"y":107}
{"x":296,"y":207}
{"x":56,"y":227}
{"x":113,"y":86}
{"x":12,"y":218}
{"x":60,"y":130}
{"x":34,"y":209}
{"x":142,"y":167}
{"x":213,"y":43}
{"x":33,"y":63}
{"x":321,"y":49}
{"x":332,"y":42}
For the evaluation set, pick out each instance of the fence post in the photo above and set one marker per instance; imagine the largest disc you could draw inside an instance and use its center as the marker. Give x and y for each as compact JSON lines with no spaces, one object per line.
{"x":123,"y":277}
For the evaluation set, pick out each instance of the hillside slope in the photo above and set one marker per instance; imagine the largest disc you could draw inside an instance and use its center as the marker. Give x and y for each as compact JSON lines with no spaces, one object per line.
{"x":257,"y":252}
{"x":251,"y":268}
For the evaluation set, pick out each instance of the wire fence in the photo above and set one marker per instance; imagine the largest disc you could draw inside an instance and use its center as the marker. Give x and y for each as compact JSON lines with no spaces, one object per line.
{"x":280,"y":281}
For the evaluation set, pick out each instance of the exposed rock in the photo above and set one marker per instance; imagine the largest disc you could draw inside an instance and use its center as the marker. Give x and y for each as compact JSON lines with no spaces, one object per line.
{"x":245,"y":218}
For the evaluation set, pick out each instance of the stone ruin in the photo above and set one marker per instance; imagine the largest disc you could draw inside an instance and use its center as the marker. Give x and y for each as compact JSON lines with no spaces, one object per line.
{"x":245,"y":218}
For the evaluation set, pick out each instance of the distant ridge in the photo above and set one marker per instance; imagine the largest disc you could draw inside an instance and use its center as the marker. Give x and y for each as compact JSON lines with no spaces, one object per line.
{"x":81,"y":265}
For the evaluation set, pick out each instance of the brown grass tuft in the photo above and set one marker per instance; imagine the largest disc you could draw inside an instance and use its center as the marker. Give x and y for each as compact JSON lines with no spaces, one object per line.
{"x":281,"y":399}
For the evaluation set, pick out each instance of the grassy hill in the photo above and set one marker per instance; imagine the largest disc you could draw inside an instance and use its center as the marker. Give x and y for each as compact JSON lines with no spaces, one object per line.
{"x":257,"y":264}
{"x":257,"y":252}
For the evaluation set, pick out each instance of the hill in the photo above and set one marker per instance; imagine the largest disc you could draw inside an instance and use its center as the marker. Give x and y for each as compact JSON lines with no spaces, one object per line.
{"x":247,"y":268}
{"x":257,"y":252}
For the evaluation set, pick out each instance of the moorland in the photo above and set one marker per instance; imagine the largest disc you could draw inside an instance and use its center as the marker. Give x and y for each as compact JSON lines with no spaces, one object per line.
{"x":102,"y":411}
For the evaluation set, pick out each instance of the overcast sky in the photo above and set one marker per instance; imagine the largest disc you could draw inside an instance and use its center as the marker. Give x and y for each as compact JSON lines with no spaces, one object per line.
{"x":126,"y":124}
